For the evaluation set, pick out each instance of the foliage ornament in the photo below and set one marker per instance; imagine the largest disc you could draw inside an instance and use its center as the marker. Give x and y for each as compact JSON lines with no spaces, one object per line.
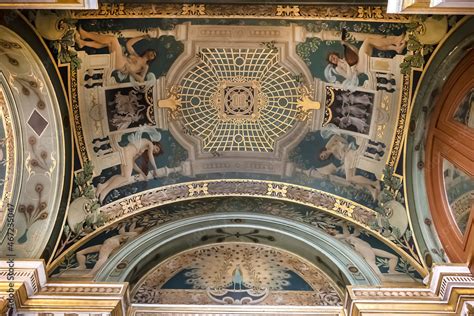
{"x":93,"y":218}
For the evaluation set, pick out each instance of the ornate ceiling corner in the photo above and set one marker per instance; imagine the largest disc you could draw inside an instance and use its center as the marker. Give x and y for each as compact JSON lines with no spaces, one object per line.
{"x":175,"y":103}
{"x":209,"y":51}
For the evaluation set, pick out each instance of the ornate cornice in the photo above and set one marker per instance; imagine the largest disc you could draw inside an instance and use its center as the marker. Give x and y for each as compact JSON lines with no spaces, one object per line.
{"x":449,"y":289}
{"x":33,"y":293}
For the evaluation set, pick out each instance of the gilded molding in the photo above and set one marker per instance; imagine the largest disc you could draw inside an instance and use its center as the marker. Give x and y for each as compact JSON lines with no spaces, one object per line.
{"x":335,"y":205}
{"x":399,"y":135}
{"x":248,"y":11}
{"x":81,"y":290}
{"x":73,"y":92}
{"x":33,"y":293}
{"x":448,"y":290}
{"x":51,"y":4}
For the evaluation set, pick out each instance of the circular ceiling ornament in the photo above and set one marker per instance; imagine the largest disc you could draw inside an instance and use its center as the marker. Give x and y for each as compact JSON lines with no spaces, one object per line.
{"x":239,"y":99}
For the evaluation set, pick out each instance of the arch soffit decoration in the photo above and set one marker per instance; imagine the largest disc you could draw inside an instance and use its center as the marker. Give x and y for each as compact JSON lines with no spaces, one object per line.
{"x":188,"y":232}
{"x":40,"y":143}
{"x":335,"y":229}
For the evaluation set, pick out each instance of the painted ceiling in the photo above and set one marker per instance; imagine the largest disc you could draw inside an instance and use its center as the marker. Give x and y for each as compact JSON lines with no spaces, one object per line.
{"x":172,"y":114}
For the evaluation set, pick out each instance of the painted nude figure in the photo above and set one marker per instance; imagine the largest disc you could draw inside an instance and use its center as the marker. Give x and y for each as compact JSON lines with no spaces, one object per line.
{"x":366,"y":250}
{"x":106,"y":249}
{"x":348,"y":120}
{"x":356,"y":60}
{"x":137,"y":147}
{"x":132,"y":64}
{"x":344,"y":151}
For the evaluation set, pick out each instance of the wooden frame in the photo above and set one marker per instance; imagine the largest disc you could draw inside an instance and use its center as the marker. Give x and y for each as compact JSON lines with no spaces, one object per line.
{"x":451,"y":140}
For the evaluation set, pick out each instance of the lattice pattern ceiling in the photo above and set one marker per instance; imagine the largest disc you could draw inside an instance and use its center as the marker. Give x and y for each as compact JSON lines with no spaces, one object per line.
{"x":239,"y":99}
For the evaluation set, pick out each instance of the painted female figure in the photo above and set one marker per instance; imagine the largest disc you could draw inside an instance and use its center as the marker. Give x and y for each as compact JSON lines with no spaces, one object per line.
{"x":137,"y":147}
{"x":346,"y":121}
{"x":356,"y":60}
{"x":132,"y":64}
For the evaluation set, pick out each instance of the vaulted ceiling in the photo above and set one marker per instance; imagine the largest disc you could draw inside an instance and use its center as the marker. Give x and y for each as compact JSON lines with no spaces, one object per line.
{"x":139,"y":140}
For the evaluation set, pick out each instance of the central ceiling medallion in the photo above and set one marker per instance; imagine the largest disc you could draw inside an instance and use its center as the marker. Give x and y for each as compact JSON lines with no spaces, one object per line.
{"x":239,"y":99}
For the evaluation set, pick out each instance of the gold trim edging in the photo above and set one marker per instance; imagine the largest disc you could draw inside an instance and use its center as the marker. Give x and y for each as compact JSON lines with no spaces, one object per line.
{"x":213,"y":11}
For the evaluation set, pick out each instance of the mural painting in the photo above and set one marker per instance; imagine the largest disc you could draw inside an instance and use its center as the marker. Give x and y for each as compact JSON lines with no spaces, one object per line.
{"x":238,"y":100}
{"x":88,"y":259}
{"x":350,"y":111}
{"x":237,"y":273}
{"x":310,"y":110}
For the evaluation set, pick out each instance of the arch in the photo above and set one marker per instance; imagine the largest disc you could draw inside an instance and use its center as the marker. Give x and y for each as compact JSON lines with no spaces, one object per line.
{"x":31,"y":83}
{"x":140,"y":250}
{"x":450,"y":141}
{"x":428,"y":142}
{"x":133,"y":208}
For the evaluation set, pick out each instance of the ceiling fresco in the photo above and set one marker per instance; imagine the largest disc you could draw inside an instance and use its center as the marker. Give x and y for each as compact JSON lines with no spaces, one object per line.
{"x":86,"y":260}
{"x":182,"y":111}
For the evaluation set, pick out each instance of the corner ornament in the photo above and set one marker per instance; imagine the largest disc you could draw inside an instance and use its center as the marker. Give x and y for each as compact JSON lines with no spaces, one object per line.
{"x":306,"y":104}
{"x":172,"y":103}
